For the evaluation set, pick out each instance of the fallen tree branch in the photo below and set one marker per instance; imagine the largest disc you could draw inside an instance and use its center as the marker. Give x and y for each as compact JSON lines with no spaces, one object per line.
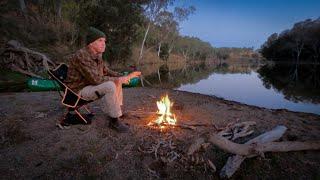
{"x":287,"y":146}
{"x":254,"y":149}
{"x":184,"y":126}
{"x":198,"y":124}
{"x":238,"y":130}
{"x":195,"y":146}
{"x":45,"y":59}
{"x":24,"y":60}
{"x":234,"y":162}
{"x":18,"y":69}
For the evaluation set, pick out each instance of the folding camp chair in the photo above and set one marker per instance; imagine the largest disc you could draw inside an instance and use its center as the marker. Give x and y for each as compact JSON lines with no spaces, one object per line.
{"x":70,"y":99}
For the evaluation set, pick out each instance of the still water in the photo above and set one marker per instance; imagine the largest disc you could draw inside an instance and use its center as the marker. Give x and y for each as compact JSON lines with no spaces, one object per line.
{"x":248,"y":89}
{"x":247,"y":84}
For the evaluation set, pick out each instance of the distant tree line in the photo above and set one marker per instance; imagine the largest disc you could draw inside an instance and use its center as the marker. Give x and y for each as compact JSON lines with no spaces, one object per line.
{"x":299,"y":44}
{"x":147,"y":24}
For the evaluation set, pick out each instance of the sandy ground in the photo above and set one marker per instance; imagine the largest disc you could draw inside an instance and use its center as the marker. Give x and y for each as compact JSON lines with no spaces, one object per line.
{"x":31,"y":146}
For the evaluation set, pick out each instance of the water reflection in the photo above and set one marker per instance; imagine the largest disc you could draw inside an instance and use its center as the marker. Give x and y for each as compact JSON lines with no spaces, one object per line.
{"x":297,"y":83}
{"x":173,"y":76}
{"x":267,"y":86}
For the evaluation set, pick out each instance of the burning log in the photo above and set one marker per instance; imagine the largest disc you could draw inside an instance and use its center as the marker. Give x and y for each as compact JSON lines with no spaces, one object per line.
{"x":166,"y":117}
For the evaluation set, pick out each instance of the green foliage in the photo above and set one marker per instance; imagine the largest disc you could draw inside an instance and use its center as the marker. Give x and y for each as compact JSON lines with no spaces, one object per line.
{"x":193,"y":48}
{"x":124,"y":22}
{"x":164,"y":52}
{"x":119,"y":19}
{"x":12,"y":81}
{"x":8,"y":5}
{"x":302,"y":42}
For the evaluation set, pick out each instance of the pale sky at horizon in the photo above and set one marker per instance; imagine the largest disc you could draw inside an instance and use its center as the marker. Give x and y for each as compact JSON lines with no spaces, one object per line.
{"x":244,"y":23}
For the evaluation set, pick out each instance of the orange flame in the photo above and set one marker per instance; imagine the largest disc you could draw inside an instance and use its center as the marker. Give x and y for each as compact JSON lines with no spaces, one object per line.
{"x":164,"y":110}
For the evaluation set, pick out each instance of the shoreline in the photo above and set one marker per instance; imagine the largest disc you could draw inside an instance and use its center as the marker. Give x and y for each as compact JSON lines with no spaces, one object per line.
{"x":32,"y":146}
{"x":254,"y":106}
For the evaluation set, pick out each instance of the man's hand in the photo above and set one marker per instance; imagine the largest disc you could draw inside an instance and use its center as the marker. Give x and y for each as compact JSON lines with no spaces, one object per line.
{"x":126,"y":79}
{"x":134,"y":74}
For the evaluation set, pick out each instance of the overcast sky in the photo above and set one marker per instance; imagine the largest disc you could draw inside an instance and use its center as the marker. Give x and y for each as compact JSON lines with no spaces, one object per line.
{"x":245,"y":23}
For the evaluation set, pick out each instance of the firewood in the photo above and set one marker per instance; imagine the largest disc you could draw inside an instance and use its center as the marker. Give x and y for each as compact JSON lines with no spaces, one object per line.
{"x":195,"y":146}
{"x":197,"y":124}
{"x":205,"y":145}
{"x":212,"y":166}
{"x":184,"y":126}
{"x":142,"y":112}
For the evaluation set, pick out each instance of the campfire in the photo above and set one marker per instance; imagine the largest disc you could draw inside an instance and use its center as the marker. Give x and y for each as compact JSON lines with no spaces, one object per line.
{"x":165,"y":116}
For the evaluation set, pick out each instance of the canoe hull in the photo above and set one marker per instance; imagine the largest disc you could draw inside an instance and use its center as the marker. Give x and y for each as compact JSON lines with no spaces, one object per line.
{"x":35,"y":84}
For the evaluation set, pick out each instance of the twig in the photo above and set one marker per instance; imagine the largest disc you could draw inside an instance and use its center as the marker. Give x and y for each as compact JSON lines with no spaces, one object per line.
{"x":195,"y":146}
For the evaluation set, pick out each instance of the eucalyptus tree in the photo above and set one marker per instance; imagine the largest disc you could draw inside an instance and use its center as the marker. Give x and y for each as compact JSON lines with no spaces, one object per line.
{"x":119,"y":19}
{"x":158,"y":15}
{"x":22,"y":4}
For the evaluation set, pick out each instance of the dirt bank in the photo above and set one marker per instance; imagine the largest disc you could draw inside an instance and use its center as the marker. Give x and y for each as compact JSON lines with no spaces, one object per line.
{"x":31,"y":146}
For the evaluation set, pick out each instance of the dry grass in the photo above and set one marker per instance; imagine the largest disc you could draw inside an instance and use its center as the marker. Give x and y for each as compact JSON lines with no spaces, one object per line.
{"x":12,"y":133}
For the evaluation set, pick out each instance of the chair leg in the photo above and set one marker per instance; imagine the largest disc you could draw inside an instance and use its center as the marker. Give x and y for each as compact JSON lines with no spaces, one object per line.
{"x":80,"y":116}
{"x":64,"y":117}
{"x":87,"y":109}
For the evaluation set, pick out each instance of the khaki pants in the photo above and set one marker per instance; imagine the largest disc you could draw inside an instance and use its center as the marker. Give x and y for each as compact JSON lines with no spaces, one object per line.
{"x":112,"y":97}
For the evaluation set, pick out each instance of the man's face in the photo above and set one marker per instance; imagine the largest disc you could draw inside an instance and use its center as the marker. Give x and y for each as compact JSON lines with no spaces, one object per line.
{"x":99,"y":45}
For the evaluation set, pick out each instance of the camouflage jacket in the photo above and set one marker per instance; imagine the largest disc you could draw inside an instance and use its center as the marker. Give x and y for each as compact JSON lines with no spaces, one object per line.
{"x":87,"y":69}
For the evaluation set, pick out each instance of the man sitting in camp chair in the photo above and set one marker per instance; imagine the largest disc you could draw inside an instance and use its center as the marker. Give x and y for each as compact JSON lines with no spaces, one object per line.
{"x":89,"y":76}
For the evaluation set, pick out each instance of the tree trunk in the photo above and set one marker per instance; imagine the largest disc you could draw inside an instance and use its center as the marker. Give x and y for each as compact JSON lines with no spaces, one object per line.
{"x":23,"y":6}
{"x":159,"y":77}
{"x":299,"y":48}
{"x":59,"y":6}
{"x":316,"y":52}
{"x":159,"y":49}
{"x":142,"y":45}
{"x":185,"y":55}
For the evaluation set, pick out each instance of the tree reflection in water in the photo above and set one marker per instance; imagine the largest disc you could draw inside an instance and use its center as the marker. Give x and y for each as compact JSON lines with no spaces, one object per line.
{"x":302,"y":85}
{"x":168,"y":77}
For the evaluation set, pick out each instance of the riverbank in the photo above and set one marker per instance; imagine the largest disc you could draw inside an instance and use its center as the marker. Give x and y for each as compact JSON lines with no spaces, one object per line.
{"x":33,"y":147}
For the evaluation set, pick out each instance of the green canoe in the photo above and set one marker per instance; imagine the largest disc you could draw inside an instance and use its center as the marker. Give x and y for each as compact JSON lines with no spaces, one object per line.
{"x":36,"y":84}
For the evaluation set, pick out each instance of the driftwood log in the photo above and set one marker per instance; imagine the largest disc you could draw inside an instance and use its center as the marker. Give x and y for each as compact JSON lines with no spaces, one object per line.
{"x":260,"y":148}
{"x":238,"y":130}
{"x":26,"y":61}
{"x":232,"y":131}
{"x":254,"y":147}
{"x":234,"y":162}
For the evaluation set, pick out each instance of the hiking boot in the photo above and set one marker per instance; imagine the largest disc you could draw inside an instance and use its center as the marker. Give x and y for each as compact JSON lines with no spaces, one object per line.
{"x":118,"y":126}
